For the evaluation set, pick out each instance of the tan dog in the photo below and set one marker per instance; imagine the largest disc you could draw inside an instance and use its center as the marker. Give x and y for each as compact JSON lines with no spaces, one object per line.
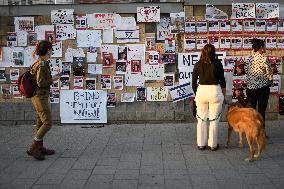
{"x":249,"y":121}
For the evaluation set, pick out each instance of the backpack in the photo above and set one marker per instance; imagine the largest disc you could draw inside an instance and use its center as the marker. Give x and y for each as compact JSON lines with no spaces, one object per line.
{"x":25,"y":85}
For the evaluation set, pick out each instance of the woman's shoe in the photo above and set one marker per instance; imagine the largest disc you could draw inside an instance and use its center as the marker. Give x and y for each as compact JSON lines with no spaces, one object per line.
{"x":214,"y":148}
{"x":201,"y":147}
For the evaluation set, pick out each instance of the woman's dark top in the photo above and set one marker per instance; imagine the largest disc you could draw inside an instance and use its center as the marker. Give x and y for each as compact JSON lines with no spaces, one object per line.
{"x":208,"y":74}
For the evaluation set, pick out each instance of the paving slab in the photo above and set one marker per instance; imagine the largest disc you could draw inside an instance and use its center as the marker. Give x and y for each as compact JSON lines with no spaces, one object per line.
{"x":142,"y":156}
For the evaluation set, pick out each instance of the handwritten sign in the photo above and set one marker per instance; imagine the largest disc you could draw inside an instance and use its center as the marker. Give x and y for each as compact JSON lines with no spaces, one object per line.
{"x":267,"y":10}
{"x":78,"y":106}
{"x":102,"y":20}
{"x":181,"y":92}
{"x":148,"y":14}
{"x":243,"y":10}
{"x":157,"y":93}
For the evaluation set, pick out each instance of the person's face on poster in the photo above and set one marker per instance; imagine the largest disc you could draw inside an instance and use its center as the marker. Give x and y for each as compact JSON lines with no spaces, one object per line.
{"x":274,"y":69}
{"x":240,"y":69}
{"x":178,"y":23}
{"x":239,"y":93}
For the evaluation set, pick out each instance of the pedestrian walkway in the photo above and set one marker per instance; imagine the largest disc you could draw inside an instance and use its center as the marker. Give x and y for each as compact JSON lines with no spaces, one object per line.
{"x":133,"y":156}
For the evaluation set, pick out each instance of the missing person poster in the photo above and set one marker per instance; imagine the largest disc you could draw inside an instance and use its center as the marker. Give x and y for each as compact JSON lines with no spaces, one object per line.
{"x":86,"y":106}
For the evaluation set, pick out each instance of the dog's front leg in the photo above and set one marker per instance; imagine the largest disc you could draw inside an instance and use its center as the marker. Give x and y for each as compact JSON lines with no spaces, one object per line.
{"x":230,"y":129}
{"x":241,"y":140}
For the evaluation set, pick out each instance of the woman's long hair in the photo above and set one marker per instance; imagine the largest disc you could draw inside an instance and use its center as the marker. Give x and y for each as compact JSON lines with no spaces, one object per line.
{"x":42,"y":48}
{"x":208,"y":54}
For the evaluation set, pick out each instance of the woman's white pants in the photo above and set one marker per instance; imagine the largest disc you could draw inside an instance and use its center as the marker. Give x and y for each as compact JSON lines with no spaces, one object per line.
{"x":209,"y":100}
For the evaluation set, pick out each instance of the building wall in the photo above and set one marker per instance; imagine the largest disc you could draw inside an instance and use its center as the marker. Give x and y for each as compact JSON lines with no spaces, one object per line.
{"x":20,"y":111}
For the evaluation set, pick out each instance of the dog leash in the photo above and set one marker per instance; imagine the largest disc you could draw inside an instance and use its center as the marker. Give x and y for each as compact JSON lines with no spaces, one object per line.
{"x":214,"y":118}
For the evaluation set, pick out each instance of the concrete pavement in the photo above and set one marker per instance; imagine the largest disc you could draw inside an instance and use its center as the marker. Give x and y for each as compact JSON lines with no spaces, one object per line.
{"x":136,"y":156}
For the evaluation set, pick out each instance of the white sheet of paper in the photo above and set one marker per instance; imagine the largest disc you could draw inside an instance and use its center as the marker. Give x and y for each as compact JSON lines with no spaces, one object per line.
{"x":85,"y":106}
{"x":136,"y":52}
{"x":89,"y":38}
{"x":163,"y":28}
{"x":134,"y":80}
{"x":62,"y":16}
{"x":108,"y":36}
{"x":65,"y":31}
{"x":243,"y":10}
{"x":24,"y":23}
{"x":22,"y":37}
{"x":267,"y":10}
{"x":212,"y":13}
{"x":127,"y":97}
{"x":55,"y":66}
{"x":95,"y":68}
{"x":127,"y":22}
{"x":7,"y":57}
{"x":29,"y":58}
{"x":157,"y":93}
{"x":148,"y":14}
{"x":102,"y":20}
{"x":57,"y":49}
{"x":41,"y":29}
{"x":92,"y":57}
{"x":70,"y":53}
{"x":153,"y":72}
{"x":113,"y":49}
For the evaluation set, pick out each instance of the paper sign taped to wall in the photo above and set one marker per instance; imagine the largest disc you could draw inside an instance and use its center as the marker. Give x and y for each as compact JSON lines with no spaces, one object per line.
{"x":83,"y":106}
{"x":212,"y":13}
{"x":243,"y":10}
{"x":157,"y":93}
{"x":24,"y":24}
{"x":267,"y":10}
{"x":62,"y":16}
{"x":148,"y":14}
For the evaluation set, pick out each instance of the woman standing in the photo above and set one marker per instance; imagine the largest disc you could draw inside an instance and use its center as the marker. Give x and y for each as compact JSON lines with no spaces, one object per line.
{"x":42,"y":80}
{"x":209,"y":96}
{"x":259,"y":77}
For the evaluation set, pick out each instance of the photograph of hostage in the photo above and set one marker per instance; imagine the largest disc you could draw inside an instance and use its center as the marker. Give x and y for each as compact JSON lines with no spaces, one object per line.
{"x":239,"y":69}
